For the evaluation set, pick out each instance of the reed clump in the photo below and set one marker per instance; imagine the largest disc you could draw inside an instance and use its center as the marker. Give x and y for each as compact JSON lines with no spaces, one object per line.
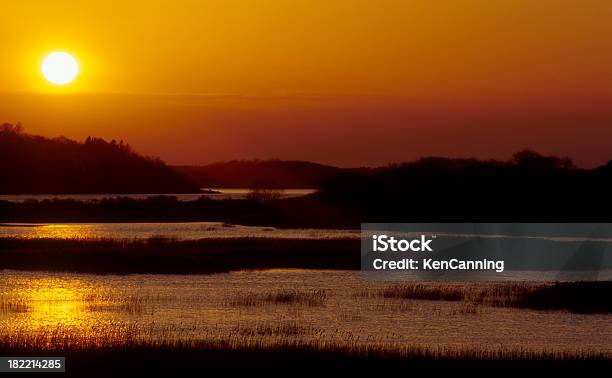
{"x":13,"y":306}
{"x":312,"y":298}
{"x":133,"y":305}
{"x":424,"y":292}
{"x":288,"y":328}
{"x":577,"y":297}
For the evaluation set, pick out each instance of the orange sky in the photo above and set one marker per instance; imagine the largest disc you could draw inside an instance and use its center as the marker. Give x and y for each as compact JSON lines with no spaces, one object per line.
{"x":346,"y":82}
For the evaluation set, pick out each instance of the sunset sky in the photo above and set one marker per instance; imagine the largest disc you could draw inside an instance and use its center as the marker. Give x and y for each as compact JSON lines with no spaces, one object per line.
{"x":343,"y":82}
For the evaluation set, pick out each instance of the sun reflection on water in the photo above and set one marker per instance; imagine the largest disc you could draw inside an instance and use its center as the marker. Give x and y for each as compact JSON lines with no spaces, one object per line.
{"x":61,"y":231}
{"x":53,"y":308}
{"x":52,"y":302}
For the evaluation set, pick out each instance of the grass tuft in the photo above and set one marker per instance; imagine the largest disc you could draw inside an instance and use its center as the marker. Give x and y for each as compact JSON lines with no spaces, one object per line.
{"x":13,"y":306}
{"x":313,"y":298}
{"x":576,"y":297}
{"x":425,"y":292}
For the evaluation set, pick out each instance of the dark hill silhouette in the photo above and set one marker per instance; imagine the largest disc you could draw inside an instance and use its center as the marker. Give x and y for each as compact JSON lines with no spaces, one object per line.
{"x":529,"y":186}
{"x":260,"y":174}
{"x":34,"y":164}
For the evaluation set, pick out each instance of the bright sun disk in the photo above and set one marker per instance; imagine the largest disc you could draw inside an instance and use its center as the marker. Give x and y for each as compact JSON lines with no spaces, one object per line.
{"x":60,"y":68}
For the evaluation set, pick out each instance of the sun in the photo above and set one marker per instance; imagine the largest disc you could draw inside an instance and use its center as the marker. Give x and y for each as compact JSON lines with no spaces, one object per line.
{"x":60,"y":68}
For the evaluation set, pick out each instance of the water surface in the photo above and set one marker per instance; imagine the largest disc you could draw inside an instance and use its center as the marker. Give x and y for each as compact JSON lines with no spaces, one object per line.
{"x":105,"y":309}
{"x":223,"y":193}
{"x":184,"y":231}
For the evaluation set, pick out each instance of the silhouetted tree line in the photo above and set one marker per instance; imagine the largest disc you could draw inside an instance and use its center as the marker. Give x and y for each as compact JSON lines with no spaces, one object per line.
{"x":35,"y":164}
{"x":529,"y":186}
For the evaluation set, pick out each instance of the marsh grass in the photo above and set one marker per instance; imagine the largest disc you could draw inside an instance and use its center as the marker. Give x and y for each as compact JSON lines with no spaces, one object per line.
{"x":13,"y":306}
{"x":347,"y":315}
{"x":104,"y":296}
{"x":423,"y":292}
{"x":268,"y":338}
{"x":577,"y":297}
{"x":312,"y":298}
{"x":467,"y":309}
{"x":287,"y":328}
{"x":131,"y":305}
{"x":281,"y":339}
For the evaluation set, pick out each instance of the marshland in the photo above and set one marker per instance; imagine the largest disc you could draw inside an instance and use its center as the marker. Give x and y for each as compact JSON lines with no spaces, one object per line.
{"x":306,"y":312}
{"x":277,"y":295}
{"x":191,"y":186}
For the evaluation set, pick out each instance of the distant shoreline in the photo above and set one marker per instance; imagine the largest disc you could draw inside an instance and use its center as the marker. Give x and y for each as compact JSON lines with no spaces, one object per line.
{"x":19,"y":225}
{"x":212,"y":193}
{"x":263,"y":209}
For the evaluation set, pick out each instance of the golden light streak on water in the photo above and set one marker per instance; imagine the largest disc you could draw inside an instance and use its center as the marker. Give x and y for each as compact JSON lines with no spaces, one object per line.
{"x":62,"y":310}
{"x":62,"y":231}
{"x":181,"y":230}
{"x":52,"y":309}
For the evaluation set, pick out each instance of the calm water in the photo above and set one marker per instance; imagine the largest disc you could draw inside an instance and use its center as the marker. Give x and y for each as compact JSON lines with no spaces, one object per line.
{"x":224,"y":193}
{"x":189,"y":230}
{"x":89,"y":308}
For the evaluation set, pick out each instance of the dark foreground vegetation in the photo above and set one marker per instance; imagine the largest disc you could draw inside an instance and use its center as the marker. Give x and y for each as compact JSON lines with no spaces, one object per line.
{"x":35,"y":164}
{"x":166,"y":256}
{"x":175,"y":359}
